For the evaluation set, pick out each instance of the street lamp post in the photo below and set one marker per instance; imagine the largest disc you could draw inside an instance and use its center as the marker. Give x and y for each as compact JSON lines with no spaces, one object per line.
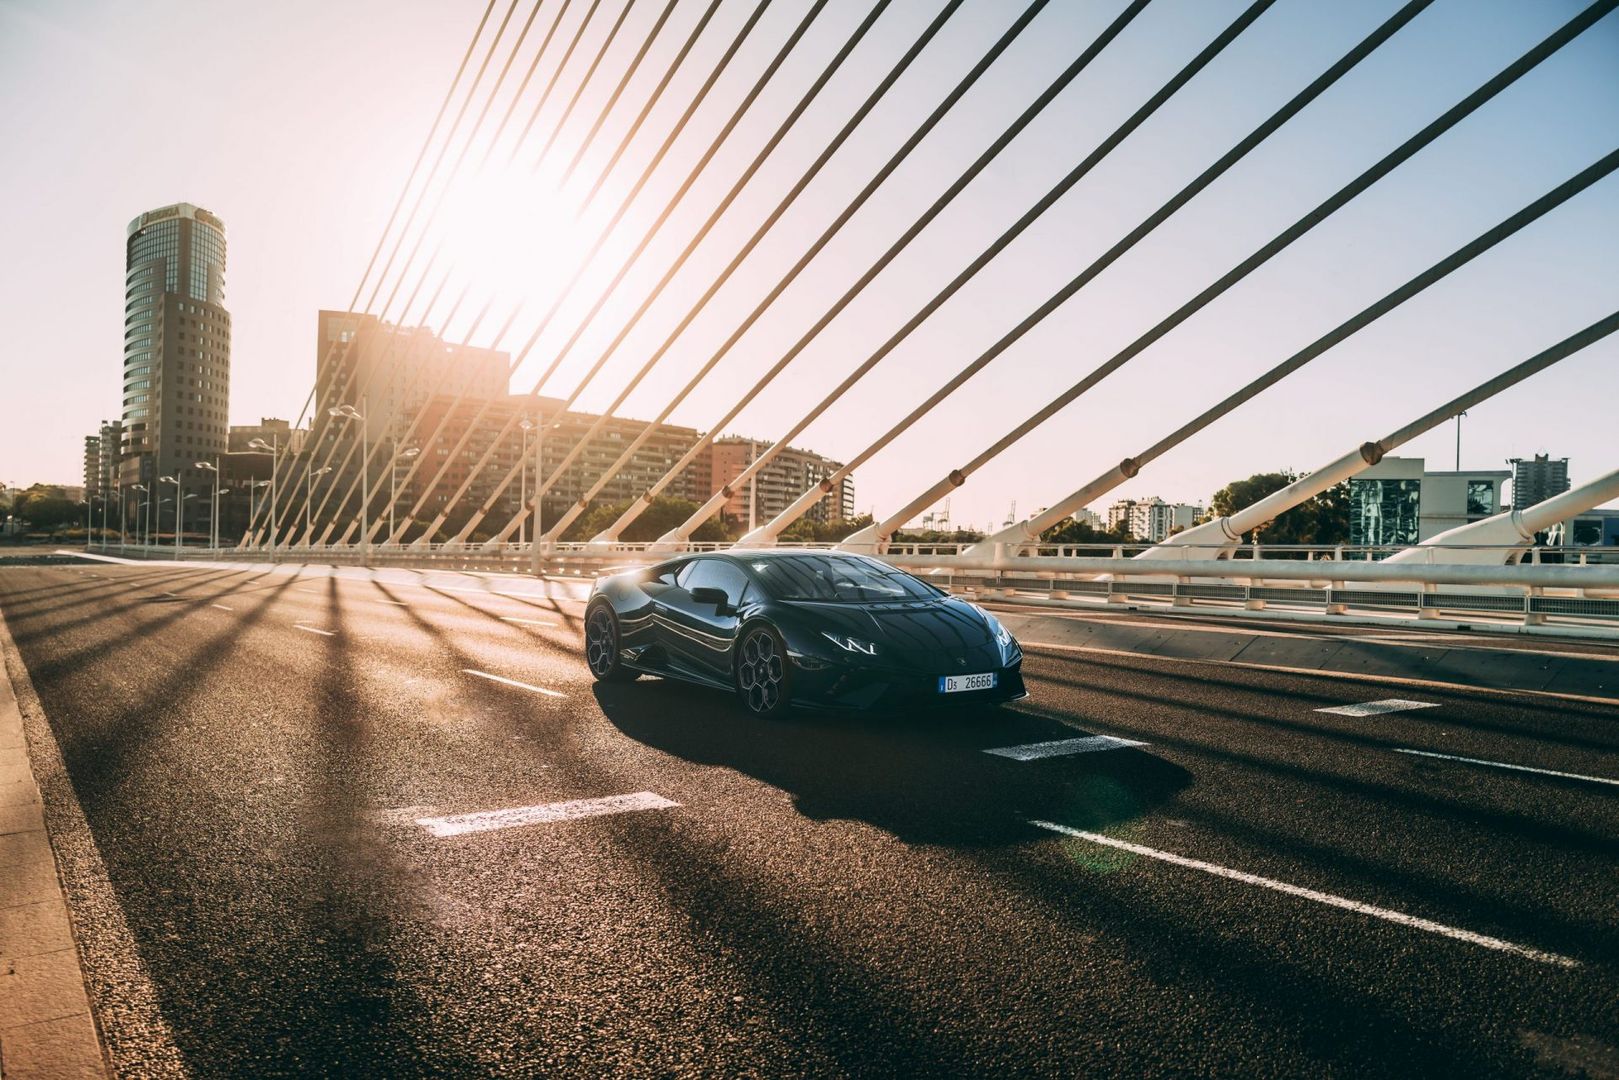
{"x":252,"y":490}
{"x":142,"y":510}
{"x":349,"y":412}
{"x":539,"y":512}
{"x":273,"y":448}
{"x":309,"y":497}
{"x":213,"y":518}
{"x":179,"y":509}
{"x":522,"y":491}
{"x":406,"y":454}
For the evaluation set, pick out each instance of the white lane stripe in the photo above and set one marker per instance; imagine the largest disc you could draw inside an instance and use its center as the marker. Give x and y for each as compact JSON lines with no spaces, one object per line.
{"x":527,"y":622}
{"x":221,"y":607}
{"x":313,"y":630}
{"x":1087,"y":745}
{"x":487,"y":820}
{"x":1507,"y":765}
{"x":1319,"y":897}
{"x":404,"y":815}
{"x":513,"y":682}
{"x":1377,"y":708}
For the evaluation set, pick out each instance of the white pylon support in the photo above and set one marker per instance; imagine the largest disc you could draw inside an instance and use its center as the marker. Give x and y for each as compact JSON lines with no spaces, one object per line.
{"x":1500,"y":538}
{"x":1213,"y":539}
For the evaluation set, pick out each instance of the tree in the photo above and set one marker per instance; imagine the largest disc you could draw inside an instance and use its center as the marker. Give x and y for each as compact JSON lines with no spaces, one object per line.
{"x":1074,"y":531}
{"x":48,"y":512}
{"x":1321,"y":519}
{"x":820,"y":532}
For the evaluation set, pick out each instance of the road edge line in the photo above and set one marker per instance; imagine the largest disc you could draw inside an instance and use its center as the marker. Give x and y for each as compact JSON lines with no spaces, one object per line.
{"x":82,"y":874}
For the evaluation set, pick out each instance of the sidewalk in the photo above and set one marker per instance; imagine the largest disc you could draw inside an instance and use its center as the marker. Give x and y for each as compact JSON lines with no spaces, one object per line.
{"x":46,"y":1029}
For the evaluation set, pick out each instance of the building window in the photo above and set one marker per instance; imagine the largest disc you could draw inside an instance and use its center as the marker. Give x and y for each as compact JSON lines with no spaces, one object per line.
{"x":1480,"y":498}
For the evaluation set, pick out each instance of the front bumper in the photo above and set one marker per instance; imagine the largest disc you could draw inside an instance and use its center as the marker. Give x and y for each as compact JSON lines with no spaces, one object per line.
{"x":843,"y":686}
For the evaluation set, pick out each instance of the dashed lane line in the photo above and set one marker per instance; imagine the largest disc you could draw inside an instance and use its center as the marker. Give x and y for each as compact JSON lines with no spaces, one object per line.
{"x":222,"y":607}
{"x":526,"y":622}
{"x":1509,"y":765}
{"x":488,"y":820}
{"x":1378,"y":708}
{"x":1089,"y":744}
{"x":314,"y":630}
{"x":513,"y":682}
{"x":1331,"y":900}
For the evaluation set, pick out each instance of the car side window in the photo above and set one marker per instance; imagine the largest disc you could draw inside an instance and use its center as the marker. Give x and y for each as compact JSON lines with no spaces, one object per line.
{"x":716,"y":574}
{"x":665,"y":574}
{"x":683,"y":573}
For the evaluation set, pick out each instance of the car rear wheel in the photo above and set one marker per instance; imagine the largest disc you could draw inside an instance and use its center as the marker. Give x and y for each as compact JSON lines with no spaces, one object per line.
{"x":762,"y":673}
{"x":601,"y":645}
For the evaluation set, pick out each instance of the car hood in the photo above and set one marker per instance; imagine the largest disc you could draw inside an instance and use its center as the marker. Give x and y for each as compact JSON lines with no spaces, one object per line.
{"x":937,"y":635}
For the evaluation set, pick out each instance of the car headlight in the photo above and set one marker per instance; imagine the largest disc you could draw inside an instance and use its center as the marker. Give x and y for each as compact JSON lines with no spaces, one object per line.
{"x":850,"y":644}
{"x":1010,"y":653}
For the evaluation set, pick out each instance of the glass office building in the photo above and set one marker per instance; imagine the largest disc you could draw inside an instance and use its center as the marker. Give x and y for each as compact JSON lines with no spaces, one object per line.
{"x":176,"y":346}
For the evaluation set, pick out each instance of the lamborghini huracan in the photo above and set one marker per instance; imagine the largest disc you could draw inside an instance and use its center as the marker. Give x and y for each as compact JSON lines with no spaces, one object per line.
{"x":820,"y":629}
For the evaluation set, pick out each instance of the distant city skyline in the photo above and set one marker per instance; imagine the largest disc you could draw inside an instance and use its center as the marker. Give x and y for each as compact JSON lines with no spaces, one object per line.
{"x":304,"y":171}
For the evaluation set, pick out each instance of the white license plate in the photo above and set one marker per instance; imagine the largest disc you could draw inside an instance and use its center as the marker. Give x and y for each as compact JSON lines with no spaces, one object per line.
{"x":955,"y":684}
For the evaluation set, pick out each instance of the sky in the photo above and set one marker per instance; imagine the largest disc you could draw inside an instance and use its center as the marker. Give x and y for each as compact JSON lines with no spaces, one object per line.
{"x":298,"y":123}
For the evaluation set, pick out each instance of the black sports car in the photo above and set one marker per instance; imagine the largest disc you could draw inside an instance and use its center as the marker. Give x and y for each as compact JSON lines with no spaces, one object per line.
{"x":782,"y":628}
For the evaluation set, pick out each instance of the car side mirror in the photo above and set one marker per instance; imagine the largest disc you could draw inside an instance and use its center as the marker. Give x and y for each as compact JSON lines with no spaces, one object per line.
{"x":717,"y":597}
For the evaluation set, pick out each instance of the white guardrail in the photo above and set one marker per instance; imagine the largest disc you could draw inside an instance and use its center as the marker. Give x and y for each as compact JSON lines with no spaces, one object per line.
{"x":1326,"y":580}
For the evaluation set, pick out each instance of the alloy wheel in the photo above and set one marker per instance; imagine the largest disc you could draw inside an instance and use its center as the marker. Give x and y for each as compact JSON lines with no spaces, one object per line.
{"x":601,"y":641}
{"x":760,"y":673}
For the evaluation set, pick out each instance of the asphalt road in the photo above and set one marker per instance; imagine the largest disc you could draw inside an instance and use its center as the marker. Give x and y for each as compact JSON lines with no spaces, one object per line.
{"x":280,"y":772}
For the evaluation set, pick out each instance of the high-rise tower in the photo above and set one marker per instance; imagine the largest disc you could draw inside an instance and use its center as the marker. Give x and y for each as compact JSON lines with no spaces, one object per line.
{"x":176,"y":346}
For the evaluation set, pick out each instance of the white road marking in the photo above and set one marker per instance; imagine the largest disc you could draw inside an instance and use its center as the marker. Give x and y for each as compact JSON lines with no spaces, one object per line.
{"x":404,"y":815}
{"x":1377,"y":708}
{"x":221,"y":607}
{"x":1329,"y":899}
{"x":487,"y":820}
{"x":527,"y":622}
{"x":513,"y":682}
{"x":173,"y":594}
{"x":1507,"y":765}
{"x":1087,"y":745}
{"x":313,"y":630}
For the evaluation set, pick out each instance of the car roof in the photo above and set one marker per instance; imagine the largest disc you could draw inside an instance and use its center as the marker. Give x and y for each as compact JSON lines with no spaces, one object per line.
{"x":751,"y":554}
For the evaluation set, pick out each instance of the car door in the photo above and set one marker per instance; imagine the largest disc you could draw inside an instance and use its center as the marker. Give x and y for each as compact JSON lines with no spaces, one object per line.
{"x":698,"y":633}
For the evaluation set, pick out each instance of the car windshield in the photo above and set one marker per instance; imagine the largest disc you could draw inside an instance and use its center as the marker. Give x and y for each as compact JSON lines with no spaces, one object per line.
{"x":839,"y":579}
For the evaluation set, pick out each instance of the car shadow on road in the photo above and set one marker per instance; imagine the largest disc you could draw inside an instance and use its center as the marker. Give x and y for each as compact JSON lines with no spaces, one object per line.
{"x":923,"y":776}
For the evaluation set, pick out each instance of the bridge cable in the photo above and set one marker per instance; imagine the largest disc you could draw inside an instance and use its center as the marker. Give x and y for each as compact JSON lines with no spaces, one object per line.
{"x":1449,"y":119}
{"x":1292,"y":108}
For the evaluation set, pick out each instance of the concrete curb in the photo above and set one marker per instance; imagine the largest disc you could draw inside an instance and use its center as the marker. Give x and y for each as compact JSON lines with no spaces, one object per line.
{"x":1593,"y":678}
{"x":46,"y":1027}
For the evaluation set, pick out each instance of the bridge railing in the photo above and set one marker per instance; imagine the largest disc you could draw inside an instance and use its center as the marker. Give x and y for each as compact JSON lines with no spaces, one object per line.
{"x":1548,"y":583}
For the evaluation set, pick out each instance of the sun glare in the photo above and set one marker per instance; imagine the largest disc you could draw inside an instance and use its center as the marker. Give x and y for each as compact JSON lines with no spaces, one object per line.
{"x":511,"y":236}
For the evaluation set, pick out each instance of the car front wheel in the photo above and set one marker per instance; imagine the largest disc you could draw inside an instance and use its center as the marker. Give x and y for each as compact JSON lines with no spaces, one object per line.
{"x":601,"y":645}
{"x":762,"y":673}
